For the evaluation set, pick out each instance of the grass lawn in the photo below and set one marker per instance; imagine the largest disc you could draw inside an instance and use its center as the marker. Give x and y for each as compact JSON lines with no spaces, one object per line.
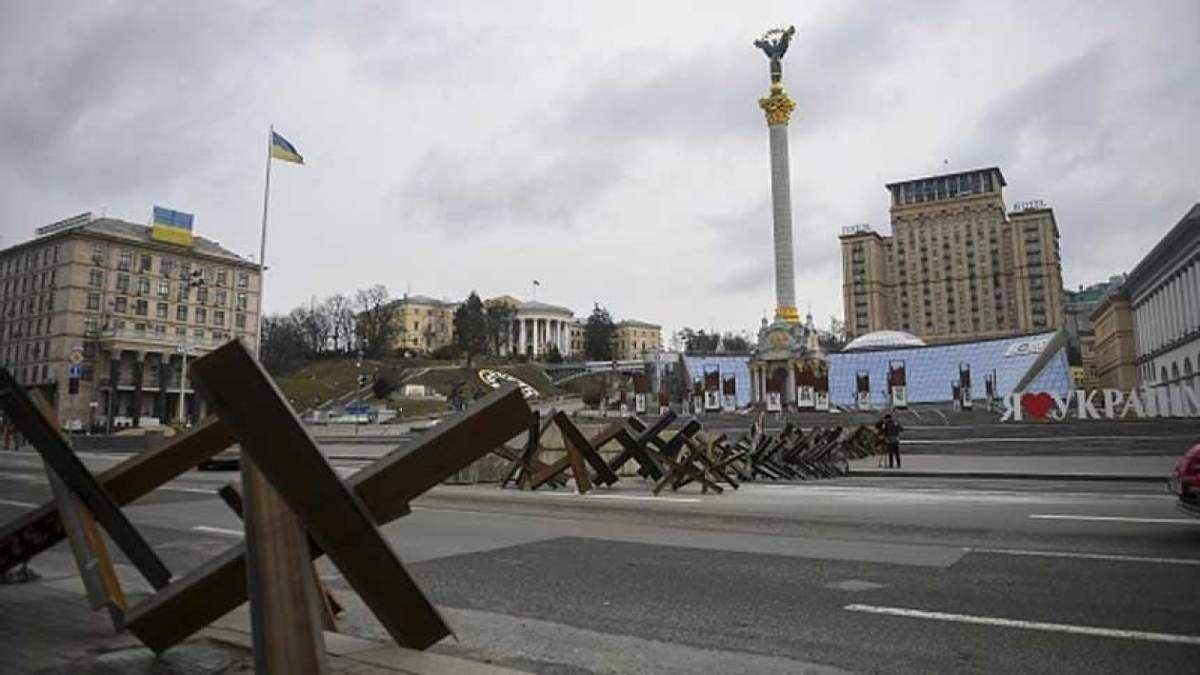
{"x":320,"y":381}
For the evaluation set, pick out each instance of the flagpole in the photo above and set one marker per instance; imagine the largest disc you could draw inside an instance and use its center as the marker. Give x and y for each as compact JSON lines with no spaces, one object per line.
{"x":262,"y":250}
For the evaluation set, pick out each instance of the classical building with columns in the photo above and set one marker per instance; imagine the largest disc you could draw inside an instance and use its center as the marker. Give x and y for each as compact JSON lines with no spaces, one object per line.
{"x":1161,"y":300}
{"x":96,"y":313}
{"x":536,"y":327}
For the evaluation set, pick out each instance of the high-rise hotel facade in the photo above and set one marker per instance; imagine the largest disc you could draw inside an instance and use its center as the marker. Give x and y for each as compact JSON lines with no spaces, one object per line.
{"x":957,"y":266}
{"x":96,"y":313}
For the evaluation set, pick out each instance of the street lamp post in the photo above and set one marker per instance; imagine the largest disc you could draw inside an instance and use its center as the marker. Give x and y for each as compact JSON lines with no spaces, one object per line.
{"x":195,"y":281}
{"x":182,"y":349}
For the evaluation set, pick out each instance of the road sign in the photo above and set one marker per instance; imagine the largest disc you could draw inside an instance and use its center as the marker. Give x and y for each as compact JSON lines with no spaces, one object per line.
{"x":76,"y":356}
{"x":359,"y":409}
{"x":75,"y":372}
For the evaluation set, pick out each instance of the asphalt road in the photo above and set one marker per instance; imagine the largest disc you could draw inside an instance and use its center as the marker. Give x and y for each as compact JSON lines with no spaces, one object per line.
{"x":882,"y":575}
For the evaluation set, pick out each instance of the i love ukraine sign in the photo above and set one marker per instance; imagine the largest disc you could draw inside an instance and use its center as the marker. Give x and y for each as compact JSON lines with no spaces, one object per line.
{"x":1175,"y":400}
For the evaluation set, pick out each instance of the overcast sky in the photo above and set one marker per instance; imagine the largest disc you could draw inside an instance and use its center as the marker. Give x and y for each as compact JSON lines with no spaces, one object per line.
{"x":613,"y":151}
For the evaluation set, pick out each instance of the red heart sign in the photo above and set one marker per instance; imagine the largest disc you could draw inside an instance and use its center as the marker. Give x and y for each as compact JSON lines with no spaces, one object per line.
{"x":1037,"y":405}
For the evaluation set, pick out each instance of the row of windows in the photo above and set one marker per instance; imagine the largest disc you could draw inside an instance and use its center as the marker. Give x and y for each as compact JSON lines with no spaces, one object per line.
{"x":183,"y":289}
{"x":36,"y":350}
{"x":28,"y":283}
{"x":30,"y":259}
{"x":162,"y":310}
{"x":947,"y":187}
{"x":26,"y":328}
{"x":167,"y":266}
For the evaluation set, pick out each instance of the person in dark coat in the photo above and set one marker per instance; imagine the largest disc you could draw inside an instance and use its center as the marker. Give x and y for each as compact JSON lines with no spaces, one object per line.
{"x":890,"y":430}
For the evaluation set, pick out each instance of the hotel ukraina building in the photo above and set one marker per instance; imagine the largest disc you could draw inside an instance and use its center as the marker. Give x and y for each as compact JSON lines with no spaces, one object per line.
{"x":97,"y":312}
{"x":957,"y":265}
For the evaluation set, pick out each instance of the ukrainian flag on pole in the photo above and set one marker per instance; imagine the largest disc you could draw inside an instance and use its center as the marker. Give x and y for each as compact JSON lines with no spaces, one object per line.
{"x":281,"y":149}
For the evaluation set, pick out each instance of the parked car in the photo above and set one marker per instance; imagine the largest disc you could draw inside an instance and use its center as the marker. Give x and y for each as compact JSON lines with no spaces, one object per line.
{"x":1185,"y":482}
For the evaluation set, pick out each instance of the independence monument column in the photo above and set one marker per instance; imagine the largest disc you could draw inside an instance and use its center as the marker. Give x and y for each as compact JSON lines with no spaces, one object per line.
{"x":778,"y":107}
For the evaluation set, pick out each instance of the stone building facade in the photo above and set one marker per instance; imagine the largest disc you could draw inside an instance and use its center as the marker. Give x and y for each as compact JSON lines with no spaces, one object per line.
{"x":634,"y":339}
{"x":97,"y":313}
{"x":1113,"y":356}
{"x":1164,"y":296}
{"x":957,"y":265}
{"x":423,"y":324}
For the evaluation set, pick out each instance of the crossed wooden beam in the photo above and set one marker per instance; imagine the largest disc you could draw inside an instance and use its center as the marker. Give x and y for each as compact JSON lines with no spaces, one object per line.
{"x":316,"y":512}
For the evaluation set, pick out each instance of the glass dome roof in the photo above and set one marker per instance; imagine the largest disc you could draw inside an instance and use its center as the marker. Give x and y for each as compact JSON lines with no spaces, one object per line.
{"x":884,"y":339}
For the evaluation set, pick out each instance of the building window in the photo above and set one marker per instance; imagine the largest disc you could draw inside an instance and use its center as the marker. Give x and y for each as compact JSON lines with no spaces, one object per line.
{"x":141,"y":307}
{"x":181,"y":313}
{"x":243,"y":280}
{"x":124,"y":260}
{"x":239,"y":320}
{"x":221,"y":297}
{"x":219,"y":318}
{"x":123,"y":283}
{"x":143,"y":286}
{"x":183,"y":291}
{"x":241,"y":302}
{"x":121,"y":305}
{"x":221,"y":277}
{"x":185,"y":270}
{"x":145,"y":263}
{"x":164,"y":288}
{"x":166,"y":266}
{"x":201,"y":315}
{"x":202,"y":294}
{"x":95,"y":278}
{"x":93,"y":301}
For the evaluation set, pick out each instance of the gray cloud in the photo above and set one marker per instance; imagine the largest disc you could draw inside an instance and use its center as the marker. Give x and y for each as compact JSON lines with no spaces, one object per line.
{"x":615,"y":151}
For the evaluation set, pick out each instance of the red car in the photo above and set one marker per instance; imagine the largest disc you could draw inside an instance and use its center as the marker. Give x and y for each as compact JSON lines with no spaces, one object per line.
{"x":1185,"y":481}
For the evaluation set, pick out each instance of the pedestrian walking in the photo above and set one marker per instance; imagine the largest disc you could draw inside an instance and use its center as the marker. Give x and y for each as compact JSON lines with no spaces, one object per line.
{"x":890,"y":430}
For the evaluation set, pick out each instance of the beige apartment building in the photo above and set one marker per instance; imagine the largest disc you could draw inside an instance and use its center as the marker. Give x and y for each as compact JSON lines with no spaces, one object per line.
{"x":634,"y":339}
{"x":423,"y":323}
{"x":97,"y":313}
{"x":1114,"y":354}
{"x":957,"y":265}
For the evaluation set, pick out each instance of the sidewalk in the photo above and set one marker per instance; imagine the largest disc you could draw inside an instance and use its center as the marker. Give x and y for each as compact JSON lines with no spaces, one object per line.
{"x":48,"y":629}
{"x":1079,"y":467}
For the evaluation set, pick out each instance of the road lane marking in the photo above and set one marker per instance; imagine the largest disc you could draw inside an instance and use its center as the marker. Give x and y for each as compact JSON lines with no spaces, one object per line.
{"x":1088,"y":556}
{"x":198,"y":491}
{"x":1115,"y":519}
{"x":218,"y":530}
{"x":1094,"y":631}
{"x":633,"y":498}
{"x":10,"y":502}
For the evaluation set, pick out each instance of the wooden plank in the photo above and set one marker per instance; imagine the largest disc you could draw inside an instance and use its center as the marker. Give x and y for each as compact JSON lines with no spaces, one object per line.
{"x":57,"y":453}
{"x":284,"y":608}
{"x":276,"y":441}
{"x":90,"y":552}
{"x":87,"y":546}
{"x":39,"y":529}
{"x":218,"y":586}
{"x":572,"y":434}
{"x":231,"y":494}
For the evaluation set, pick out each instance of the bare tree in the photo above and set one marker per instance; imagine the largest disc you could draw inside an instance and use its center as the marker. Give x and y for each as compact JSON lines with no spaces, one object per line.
{"x":375,"y":319}
{"x":314,"y":325}
{"x":340,"y":311}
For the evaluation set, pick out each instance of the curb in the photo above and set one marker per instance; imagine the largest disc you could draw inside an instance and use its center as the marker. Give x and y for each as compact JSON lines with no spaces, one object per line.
{"x":1010,"y":475}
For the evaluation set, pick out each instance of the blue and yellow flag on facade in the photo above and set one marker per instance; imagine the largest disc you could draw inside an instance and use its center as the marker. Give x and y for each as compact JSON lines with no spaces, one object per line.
{"x":281,"y":149}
